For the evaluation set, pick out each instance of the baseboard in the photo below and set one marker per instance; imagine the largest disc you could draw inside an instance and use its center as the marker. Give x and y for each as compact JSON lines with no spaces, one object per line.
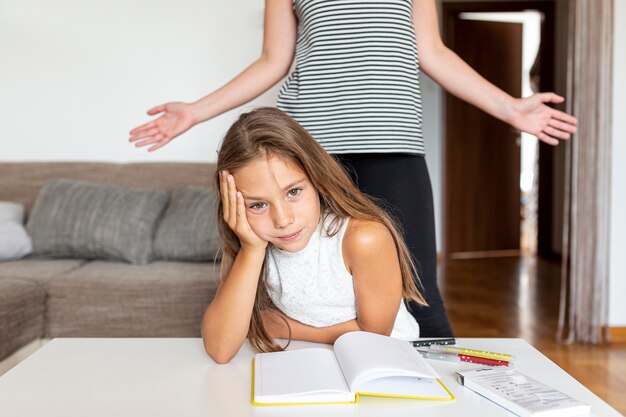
{"x":617,"y":334}
{"x":18,"y":356}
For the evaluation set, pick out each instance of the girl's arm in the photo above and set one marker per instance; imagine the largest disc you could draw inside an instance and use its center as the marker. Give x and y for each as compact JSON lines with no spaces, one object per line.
{"x":276,"y":328}
{"x":458,"y":78}
{"x":227,"y":319}
{"x":279,"y":40}
{"x":370,"y":255}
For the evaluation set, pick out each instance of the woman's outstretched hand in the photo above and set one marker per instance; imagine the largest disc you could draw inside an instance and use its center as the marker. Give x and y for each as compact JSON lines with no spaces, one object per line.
{"x":234,"y":214}
{"x":532,"y":115}
{"x":177,"y":118}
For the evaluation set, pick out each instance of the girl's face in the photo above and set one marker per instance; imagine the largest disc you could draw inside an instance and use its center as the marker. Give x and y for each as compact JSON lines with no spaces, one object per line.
{"x":282,"y":205}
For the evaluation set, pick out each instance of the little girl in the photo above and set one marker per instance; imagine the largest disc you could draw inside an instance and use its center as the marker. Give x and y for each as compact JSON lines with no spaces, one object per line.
{"x":306,"y":255}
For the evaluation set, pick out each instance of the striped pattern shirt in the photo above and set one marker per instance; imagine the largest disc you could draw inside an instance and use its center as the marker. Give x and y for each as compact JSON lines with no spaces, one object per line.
{"x":355,"y":85}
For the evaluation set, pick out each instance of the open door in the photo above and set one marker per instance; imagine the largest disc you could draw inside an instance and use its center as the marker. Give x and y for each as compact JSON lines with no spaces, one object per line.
{"x":482,"y":154}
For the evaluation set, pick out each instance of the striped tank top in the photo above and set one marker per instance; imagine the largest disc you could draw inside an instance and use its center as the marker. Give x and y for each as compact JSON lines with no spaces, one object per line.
{"x":355,"y":85}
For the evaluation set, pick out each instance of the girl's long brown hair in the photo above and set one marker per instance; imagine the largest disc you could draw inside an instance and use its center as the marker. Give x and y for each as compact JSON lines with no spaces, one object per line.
{"x":266,"y":132}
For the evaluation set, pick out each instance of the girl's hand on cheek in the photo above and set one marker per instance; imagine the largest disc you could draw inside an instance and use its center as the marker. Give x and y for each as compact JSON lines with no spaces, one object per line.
{"x":235,"y":214}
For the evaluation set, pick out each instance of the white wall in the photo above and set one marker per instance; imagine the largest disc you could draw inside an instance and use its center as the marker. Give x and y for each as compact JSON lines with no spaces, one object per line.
{"x":77,"y":75}
{"x":617,"y":306}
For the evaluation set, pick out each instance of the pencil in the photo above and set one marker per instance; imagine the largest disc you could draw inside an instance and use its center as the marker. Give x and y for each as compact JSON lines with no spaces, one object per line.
{"x":473,"y":352}
{"x":453,"y":357}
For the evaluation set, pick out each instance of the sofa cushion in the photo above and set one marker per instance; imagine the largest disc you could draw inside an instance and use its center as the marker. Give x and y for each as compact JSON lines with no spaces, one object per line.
{"x":188,"y":230}
{"x":14,"y":241}
{"x":11,"y":212}
{"x":22,"y":307}
{"x":88,"y":220}
{"x":108,"y":299}
{"x":38,"y":270}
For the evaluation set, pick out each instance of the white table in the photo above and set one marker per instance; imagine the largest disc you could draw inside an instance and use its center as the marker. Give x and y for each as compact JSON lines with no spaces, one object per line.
{"x":176,"y":378}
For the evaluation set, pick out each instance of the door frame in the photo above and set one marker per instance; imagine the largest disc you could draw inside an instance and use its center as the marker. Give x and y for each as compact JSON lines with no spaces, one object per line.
{"x":546,"y":152}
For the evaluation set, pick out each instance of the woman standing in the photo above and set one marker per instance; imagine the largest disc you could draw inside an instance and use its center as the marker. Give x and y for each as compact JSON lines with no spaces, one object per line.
{"x":355,"y":88}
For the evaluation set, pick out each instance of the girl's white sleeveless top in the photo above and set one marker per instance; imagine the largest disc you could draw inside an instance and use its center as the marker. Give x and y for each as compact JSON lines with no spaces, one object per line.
{"x":314,"y":287}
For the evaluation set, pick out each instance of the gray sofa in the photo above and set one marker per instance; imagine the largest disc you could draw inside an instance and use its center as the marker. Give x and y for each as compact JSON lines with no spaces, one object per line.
{"x":48,"y":298}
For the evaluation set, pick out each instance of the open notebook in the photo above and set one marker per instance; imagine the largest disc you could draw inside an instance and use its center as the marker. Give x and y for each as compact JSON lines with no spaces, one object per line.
{"x":361,"y":364}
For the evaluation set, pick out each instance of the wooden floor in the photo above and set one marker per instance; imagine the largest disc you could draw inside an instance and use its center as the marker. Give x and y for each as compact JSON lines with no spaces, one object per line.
{"x":519,"y":297}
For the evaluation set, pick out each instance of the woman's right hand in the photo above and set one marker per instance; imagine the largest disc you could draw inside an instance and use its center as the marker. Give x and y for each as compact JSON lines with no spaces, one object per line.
{"x":234,"y":214}
{"x":177,"y":118}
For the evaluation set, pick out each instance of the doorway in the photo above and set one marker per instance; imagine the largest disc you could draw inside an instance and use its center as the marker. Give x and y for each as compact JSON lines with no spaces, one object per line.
{"x":495,"y":202}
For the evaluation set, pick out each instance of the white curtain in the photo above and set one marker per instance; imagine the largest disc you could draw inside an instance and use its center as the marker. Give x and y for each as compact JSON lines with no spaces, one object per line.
{"x":583,"y":314}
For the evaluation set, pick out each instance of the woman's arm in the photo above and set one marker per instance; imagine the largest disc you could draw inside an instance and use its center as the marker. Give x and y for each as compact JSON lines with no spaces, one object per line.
{"x":227,"y":319}
{"x":279,"y":40}
{"x":458,"y":78}
{"x":370,"y":255}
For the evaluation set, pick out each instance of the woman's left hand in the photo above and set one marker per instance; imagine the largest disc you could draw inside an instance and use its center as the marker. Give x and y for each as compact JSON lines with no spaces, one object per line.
{"x":549,"y":125}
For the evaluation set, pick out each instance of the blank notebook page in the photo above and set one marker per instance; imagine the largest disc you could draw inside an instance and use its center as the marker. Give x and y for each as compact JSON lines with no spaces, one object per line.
{"x":363,"y":354}
{"x":406,"y":386}
{"x":297,"y":371}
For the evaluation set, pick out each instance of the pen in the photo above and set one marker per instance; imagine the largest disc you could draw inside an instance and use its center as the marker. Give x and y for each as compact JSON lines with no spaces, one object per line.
{"x":437,"y":341}
{"x":453,"y":357}
{"x":504,"y":357}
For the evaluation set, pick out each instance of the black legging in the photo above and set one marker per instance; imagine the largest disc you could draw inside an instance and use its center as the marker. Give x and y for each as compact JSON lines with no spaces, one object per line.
{"x":402,"y":182}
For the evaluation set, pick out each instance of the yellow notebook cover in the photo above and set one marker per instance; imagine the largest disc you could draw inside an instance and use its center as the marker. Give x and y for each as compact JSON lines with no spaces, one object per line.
{"x":360,"y":364}
{"x":356,"y":397}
